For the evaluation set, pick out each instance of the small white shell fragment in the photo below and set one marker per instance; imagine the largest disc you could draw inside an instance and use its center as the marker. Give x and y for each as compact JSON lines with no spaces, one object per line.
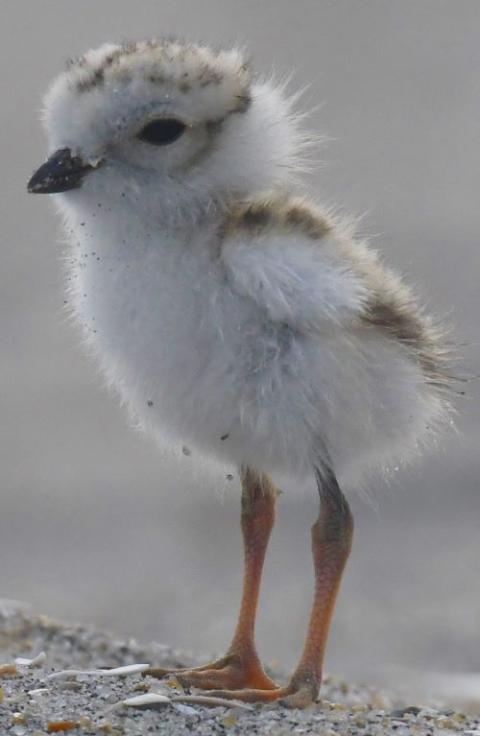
{"x":37,"y":661}
{"x":39,"y":691}
{"x":128,"y":669}
{"x":147,"y":700}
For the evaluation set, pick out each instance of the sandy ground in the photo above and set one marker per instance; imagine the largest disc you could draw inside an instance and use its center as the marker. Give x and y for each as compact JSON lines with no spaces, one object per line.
{"x":38,"y":695}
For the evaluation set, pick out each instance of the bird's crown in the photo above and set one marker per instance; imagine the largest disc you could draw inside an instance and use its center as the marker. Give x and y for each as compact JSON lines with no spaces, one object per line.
{"x":219,"y":79}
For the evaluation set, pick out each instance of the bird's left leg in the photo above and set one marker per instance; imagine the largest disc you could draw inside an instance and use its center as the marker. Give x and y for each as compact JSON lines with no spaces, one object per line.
{"x":241,"y":667}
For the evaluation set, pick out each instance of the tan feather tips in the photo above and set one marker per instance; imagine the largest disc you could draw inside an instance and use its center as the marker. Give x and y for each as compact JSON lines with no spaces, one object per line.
{"x":179,"y":68}
{"x":284,"y":214}
{"x":397,"y":315}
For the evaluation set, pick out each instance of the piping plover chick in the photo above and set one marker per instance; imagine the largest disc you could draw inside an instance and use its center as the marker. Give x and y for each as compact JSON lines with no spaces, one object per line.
{"x":232,"y":313}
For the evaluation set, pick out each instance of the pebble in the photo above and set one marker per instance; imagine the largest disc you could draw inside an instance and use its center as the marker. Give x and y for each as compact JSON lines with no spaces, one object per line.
{"x":185,"y":710}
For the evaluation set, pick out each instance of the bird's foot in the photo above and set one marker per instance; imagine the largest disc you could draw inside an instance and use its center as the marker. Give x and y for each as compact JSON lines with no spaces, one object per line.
{"x":299,"y":693}
{"x":232,"y":672}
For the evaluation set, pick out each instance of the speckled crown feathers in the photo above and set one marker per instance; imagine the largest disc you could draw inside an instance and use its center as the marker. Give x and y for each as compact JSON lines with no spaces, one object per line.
{"x":221,"y":76}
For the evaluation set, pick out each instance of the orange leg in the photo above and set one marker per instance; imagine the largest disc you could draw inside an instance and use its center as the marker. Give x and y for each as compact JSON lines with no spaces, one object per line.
{"x":331,"y":542}
{"x":241,"y":667}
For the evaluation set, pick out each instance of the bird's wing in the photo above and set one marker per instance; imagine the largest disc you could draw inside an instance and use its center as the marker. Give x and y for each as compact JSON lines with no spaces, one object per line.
{"x":305,"y":270}
{"x":286,"y":258}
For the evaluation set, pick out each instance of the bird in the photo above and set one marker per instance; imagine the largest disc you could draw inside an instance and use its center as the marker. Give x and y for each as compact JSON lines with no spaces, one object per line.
{"x":231,"y":311}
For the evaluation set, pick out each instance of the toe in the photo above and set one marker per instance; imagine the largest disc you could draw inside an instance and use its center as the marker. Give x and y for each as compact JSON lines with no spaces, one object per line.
{"x":300,"y":697}
{"x":227,"y":678}
{"x":207,"y":679}
{"x":161,"y":672}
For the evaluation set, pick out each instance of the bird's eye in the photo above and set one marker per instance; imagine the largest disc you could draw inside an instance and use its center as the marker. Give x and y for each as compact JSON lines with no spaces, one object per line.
{"x":162,"y":131}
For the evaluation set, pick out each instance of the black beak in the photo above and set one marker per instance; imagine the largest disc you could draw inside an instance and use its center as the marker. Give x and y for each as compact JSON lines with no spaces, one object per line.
{"x":60,"y":173}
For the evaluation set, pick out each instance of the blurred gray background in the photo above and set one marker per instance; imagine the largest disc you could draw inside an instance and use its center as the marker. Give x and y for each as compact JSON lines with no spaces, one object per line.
{"x":96,"y":524}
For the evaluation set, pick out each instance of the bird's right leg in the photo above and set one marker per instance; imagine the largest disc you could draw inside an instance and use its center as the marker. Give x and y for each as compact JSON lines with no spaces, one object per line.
{"x":241,"y":667}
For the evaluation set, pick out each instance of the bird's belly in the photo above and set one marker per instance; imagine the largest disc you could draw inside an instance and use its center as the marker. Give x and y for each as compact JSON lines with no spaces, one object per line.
{"x":199,"y":363}
{"x":188,"y":355}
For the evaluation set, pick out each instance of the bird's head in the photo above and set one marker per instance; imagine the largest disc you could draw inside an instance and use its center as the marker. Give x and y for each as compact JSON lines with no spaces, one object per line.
{"x":168,"y":123}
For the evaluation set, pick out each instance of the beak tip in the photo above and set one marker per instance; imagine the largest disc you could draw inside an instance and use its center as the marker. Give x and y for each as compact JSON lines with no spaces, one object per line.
{"x":60,"y":173}
{"x":32,"y":188}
